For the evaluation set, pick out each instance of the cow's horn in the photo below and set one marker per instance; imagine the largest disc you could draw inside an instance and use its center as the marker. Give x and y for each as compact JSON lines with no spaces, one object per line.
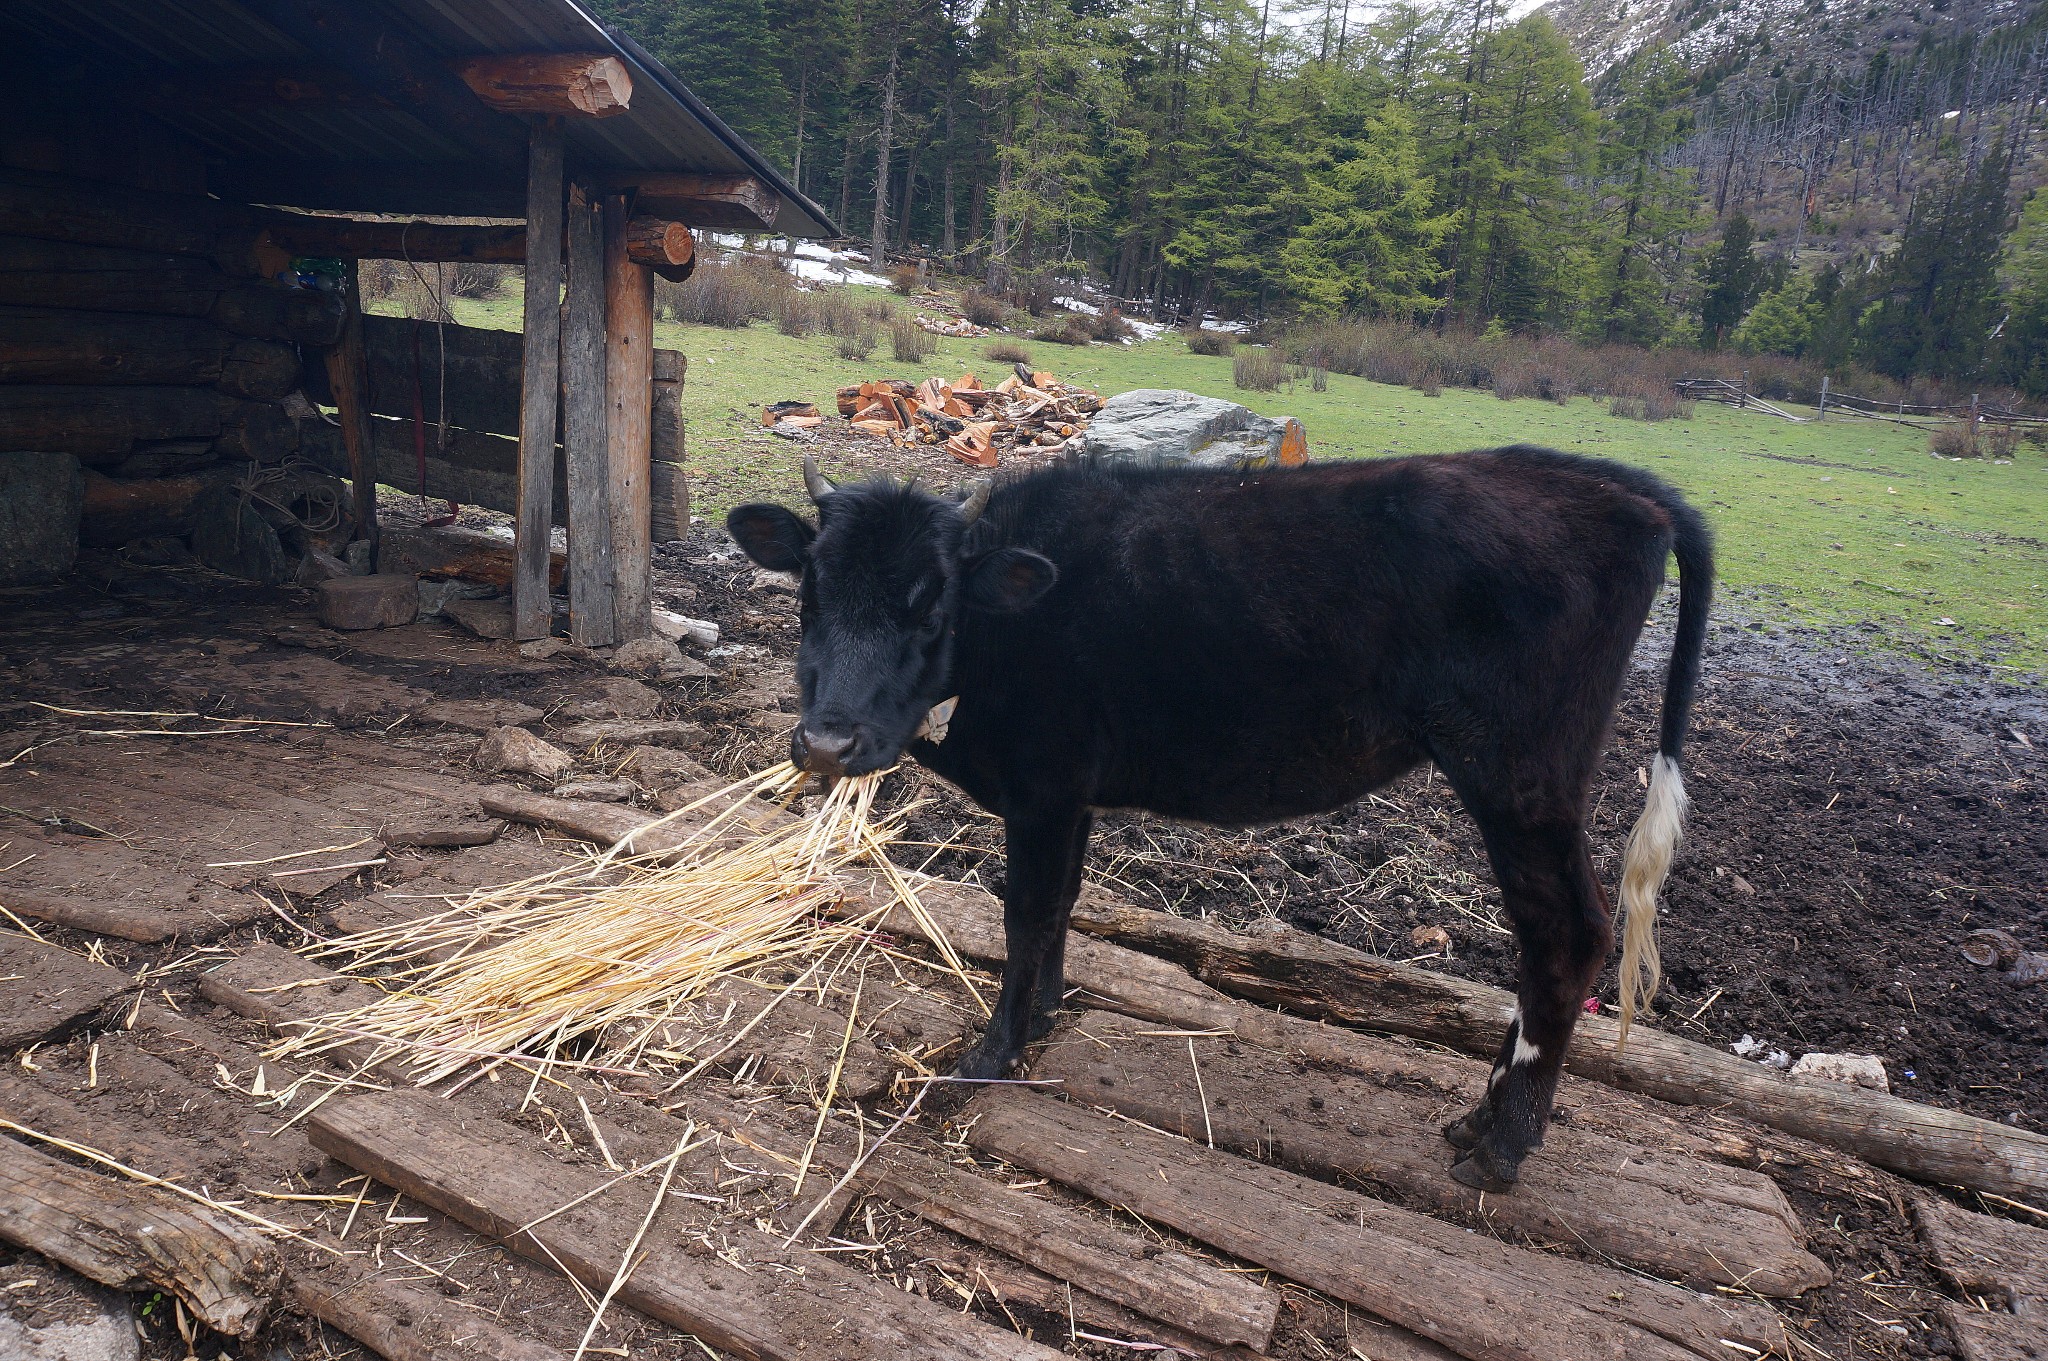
{"x":815,"y":482}
{"x":976,"y":500}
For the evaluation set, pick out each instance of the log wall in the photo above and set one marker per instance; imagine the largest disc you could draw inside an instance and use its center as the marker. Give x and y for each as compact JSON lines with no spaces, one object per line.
{"x":139,"y":344}
{"x":478,"y":369}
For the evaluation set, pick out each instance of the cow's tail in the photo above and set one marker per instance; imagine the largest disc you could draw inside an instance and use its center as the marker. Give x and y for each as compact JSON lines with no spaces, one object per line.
{"x":1655,"y":837}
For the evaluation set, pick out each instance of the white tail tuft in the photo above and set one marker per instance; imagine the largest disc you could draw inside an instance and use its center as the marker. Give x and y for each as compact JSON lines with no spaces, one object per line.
{"x":1651,"y":845}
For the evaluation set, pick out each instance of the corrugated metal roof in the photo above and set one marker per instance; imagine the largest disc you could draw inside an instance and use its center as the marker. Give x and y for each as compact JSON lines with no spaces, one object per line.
{"x":134,"y":41}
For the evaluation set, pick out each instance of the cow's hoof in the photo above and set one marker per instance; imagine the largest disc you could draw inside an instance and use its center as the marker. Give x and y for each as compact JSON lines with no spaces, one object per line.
{"x":979,"y":1065}
{"x":1042,"y":1023}
{"x":1479,"y":1171}
{"x":1465,"y":1132}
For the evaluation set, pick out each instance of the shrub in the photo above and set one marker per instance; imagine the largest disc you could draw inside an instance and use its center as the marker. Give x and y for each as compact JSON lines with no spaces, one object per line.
{"x":1107,"y":326}
{"x":1065,"y":330}
{"x":903,"y":279}
{"x":983,"y":309}
{"x":1258,"y":370}
{"x":911,"y":343}
{"x":1032,"y":291}
{"x":1318,"y":378}
{"x":731,"y":292}
{"x":1954,"y":440}
{"x":1221,"y":343}
{"x":796,"y":313}
{"x":858,"y":343}
{"x":473,"y":279}
{"x":1007,"y":352}
{"x":1998,"y":441}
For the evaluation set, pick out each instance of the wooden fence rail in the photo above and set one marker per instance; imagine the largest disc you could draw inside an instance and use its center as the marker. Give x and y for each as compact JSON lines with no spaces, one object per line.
{"x":1737,"y":393}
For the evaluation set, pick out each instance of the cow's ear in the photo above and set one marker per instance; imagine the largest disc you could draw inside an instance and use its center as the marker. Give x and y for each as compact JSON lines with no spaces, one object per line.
{"x":1007,"y":580}
{"x":771,"y":535}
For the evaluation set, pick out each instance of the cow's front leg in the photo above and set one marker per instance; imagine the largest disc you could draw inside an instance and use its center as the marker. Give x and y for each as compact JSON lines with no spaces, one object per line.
{"x":1045,"y":850}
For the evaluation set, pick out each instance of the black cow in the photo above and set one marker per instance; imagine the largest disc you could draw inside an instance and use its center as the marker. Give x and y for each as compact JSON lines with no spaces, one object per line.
{"x":1242,"y":648}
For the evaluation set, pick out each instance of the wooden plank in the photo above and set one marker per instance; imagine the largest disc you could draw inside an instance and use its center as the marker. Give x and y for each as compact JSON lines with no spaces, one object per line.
{"x":1988,"y":1336}
{"x":1181,"y":1291}
{"x":401,"y":1323}
{"x":1314,"y":977}
{"x":733,"y":1286}
{"x":629,"y":415}
{"x":137,"y":1238}
{"x":347,"y":377}
{"x":1994,"y":1259}
{"x":584,"y":447}
{"x":735,"y":201}
{"x":36,"y":1107}
{"x":1672,"y":1215}
{"x":350,"y":238}
{"x":1480,"y":1298}
{"x":474,"y":469}
{"x":593,"y":84}
{"x":540,"y":384}
{"x":49,"y":991}
{"x":1063,"y":1247}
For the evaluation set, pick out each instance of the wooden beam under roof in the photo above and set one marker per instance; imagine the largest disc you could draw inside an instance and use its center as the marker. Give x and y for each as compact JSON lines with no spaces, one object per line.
{"x":594,"y":84}
{"x":741,"y":202}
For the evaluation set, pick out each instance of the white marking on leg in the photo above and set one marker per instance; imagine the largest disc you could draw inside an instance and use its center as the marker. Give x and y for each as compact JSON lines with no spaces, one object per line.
{"x":1493,"y":1078}
{"x":1526,"y":1052}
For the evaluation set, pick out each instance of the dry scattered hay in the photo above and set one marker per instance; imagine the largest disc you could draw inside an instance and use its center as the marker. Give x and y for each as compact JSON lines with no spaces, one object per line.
{"x":621,"y":942}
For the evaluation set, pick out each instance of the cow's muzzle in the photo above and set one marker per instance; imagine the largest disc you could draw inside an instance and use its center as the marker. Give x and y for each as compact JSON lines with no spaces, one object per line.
{"x":823,"y":752}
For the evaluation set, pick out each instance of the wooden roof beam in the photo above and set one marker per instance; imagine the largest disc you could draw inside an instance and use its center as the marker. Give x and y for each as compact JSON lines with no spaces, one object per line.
{"x":741,"y":202}
{"x":662,"y":244}
{"x":595,"y":84}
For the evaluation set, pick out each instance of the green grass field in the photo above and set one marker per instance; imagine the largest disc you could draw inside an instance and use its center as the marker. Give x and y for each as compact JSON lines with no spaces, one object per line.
{"x":1829,"y":525}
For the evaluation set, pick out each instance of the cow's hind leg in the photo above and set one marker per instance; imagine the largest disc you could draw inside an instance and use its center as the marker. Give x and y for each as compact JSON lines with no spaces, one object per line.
{"x":1560,"y":918}
{"x":1044,"y":851}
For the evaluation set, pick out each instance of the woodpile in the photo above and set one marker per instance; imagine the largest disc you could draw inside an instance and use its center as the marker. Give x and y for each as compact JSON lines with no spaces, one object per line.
{"x":1030,"y":411}
{"x":950,"y":326}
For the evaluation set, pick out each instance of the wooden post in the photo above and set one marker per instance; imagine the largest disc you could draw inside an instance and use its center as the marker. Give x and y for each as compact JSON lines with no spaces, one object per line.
{"x":540,"y":381}
{"x":1742,"y":398}
{"x":1823,"y":413}
{"x":1975,"y":415}
{"x":346,"y":371}
{"x":629,"y":417}
{"x":583,"y":427}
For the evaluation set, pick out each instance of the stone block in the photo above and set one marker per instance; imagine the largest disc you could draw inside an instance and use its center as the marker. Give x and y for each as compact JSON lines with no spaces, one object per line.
{"x":382,"y":601}
{"x":515,"y":751}
{"x":41,"y":499}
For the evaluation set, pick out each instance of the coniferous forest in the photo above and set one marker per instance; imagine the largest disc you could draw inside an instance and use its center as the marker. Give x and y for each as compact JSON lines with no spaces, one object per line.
{"x":1873,"y":203}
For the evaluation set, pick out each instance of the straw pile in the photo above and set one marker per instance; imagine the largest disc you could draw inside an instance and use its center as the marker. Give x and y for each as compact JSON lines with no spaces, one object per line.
{"x":519,"y":974}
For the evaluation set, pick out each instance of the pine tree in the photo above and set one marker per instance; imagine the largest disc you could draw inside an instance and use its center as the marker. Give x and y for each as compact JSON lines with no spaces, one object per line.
{"x":1650,"y":205}
{"x":1730,"y":280}
{"x":2022,"y":354}
{"x":1368,"y":244}
{"x":1938,"y":298}
{"x":1781,"y":322}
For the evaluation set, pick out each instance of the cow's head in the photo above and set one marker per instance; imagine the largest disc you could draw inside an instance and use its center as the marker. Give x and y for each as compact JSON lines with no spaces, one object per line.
{"x":886,"y":577}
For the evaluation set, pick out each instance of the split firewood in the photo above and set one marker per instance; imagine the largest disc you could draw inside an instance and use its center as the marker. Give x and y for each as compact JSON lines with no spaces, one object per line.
{"x":971,"y":422}
{"x":776,"y":411}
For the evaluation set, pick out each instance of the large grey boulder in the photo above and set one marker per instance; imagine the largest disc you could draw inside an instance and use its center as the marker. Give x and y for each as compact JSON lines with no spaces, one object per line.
{"x":41,"y":499}
{"x":1160,"y":426}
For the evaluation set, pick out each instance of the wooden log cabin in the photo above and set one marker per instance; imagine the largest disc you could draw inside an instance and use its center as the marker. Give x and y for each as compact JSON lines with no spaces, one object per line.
{"x":187,"y":188}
